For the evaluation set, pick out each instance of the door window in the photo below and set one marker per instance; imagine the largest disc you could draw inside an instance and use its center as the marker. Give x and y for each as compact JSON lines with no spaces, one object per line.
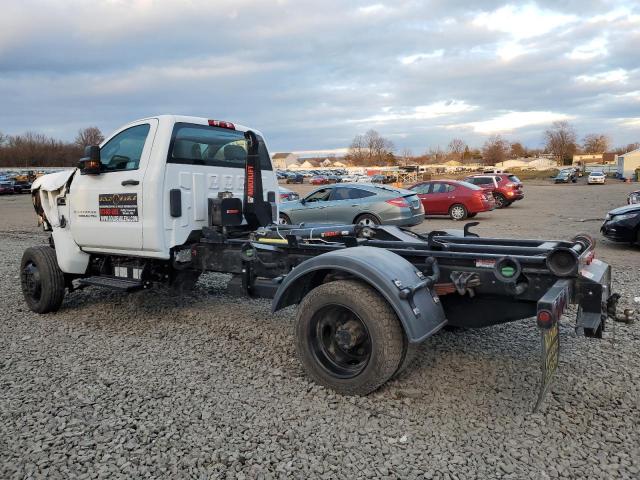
{"x":422,"y":189}
{"x":342,"y":193}
{"x":123,"y":151}
{"x":321,"y":195}
{"x":482,"y":181}
{"x":439,"y":188}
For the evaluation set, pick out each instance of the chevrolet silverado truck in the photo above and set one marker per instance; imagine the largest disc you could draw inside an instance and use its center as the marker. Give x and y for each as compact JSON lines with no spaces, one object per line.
{"x":166,"y":198}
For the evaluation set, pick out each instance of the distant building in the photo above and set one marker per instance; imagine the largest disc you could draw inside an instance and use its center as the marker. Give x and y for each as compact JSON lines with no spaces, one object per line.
{"x":285,"y":160}
{"x":584,"y":158}
{"x":629,"y":163}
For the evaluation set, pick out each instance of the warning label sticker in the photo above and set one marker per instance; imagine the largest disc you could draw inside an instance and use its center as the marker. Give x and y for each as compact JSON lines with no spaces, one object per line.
{"x":118,"y":207}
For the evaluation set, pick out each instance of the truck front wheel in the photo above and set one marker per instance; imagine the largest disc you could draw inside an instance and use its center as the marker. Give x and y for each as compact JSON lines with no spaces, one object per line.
{"x":348,"y":338}
{"x":42,"y":280}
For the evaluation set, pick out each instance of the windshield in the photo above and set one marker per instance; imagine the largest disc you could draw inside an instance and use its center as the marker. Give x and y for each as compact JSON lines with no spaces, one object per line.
{"x":597,"y":174}
{"x":212,"y":146}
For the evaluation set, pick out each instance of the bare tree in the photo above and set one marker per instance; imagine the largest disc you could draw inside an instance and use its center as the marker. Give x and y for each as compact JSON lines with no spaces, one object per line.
{"x":32,"y":149}
{"x":380,"y":148}
{"x":560,"y":140}
{"x":595,"y":143}
{"x":406,"y":155}
{"x":494,"y":150}
{"x":89,"y":136}
{"x":3,"y":139}
{"x":456,"y":148}
{"x":370,"y":149}
{"x":435,"y":155}
{"x":357,"y":151}
{"x":517,"y":150}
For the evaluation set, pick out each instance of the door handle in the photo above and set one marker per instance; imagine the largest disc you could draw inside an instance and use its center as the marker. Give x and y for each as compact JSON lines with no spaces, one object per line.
{"x":130,"y":182}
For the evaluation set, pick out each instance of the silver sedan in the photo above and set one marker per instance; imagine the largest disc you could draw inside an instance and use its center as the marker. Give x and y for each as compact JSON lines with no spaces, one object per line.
{"x":359,"y":203}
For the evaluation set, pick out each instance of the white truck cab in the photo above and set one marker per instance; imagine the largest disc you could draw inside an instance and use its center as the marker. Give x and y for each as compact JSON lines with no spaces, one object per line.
{"x":128,"y":205}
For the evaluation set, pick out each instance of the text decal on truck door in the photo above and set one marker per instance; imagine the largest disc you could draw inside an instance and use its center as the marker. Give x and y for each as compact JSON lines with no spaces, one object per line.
{"x":118,"y":207}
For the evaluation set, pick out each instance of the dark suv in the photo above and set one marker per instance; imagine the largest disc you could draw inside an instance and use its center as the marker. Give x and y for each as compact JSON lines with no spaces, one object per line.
{"x":506,"y":188}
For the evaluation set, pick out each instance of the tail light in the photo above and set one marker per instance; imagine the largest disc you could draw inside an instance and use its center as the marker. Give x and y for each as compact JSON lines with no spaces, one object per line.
{"x":398,"y":202}
{"x":222,"y":124}
{"x":545,"y":319}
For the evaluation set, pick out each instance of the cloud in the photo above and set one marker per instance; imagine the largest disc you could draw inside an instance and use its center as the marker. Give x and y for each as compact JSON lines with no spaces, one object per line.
{"x":508,"y":122}
{"x":418,"y":57}
{"x":523,"y":21}
{"x":311,"y":75}
{"x":613,"y":76}
{"x":420,"y":112}
{"x":592,"y":49}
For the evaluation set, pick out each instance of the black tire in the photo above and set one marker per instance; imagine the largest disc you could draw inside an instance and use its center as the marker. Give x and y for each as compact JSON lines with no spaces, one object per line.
{"x":471,"y":215}
{"x":410,"y":356}
{"x":367,"y":220}
{"x":508,"y":204}
{"x":370,"y":359}
{"x":458,"y":212}
{"x":42,"y":280}
{"x":284,"y":219}
{"x":501,"y":201}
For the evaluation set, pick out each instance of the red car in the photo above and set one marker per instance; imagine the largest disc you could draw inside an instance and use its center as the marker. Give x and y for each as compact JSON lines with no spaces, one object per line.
{"x":506,"y":188}
{"x":459,"y":200}
{"x":319,"y":180}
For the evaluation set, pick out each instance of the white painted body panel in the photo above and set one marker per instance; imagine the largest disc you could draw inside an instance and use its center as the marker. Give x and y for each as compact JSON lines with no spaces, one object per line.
{"x":156,"y":232}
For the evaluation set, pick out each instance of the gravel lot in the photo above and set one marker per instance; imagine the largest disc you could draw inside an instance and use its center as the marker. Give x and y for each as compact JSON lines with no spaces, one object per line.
{"x":207,"y":386}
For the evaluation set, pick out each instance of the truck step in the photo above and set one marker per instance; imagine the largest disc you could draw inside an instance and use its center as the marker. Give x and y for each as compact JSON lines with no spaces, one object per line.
{"x":115,"y":283}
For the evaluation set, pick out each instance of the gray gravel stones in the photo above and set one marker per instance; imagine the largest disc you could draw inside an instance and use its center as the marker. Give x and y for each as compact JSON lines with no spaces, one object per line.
{"x":207,"y":386}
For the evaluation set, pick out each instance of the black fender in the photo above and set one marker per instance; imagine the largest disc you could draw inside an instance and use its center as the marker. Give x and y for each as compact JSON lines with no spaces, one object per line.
{"x":421,"y":314}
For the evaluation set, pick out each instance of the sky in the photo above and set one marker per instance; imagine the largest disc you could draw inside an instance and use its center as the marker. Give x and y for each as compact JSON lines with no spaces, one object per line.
{"x":313,"y":74}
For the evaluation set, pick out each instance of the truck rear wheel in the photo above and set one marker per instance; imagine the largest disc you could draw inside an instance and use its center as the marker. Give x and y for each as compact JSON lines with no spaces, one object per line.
{"x":42,"y":280}
{"x":348,"y":338}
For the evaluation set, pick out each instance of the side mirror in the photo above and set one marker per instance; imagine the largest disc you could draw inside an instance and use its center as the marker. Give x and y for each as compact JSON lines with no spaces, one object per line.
{"x":90,"y":163}
{"x":303,"y":201}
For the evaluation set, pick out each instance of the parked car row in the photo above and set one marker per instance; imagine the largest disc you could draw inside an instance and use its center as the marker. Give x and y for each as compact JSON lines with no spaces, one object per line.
{"x":10,"y":186}
{"x":571,"y":174}
{"x":376,"y":203}
{"x":324,"y":177}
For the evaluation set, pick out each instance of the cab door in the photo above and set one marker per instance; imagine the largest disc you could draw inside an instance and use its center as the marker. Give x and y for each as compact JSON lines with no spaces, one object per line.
{"x":106,"y":209}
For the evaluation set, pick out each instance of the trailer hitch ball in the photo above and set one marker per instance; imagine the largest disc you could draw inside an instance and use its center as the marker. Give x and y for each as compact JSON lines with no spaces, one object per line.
{"x":349,"y":334}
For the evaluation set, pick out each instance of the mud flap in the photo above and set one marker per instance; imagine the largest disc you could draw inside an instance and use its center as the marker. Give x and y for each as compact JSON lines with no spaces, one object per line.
{"x":550,"y":358}
{"x":550,"y":309}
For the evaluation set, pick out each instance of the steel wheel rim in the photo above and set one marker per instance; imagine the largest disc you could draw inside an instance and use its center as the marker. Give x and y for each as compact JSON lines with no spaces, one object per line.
{"x":330,"y":328}
{"x":282,"y":220}
{"x":457,"y":212}
{"x":31,"y":281}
